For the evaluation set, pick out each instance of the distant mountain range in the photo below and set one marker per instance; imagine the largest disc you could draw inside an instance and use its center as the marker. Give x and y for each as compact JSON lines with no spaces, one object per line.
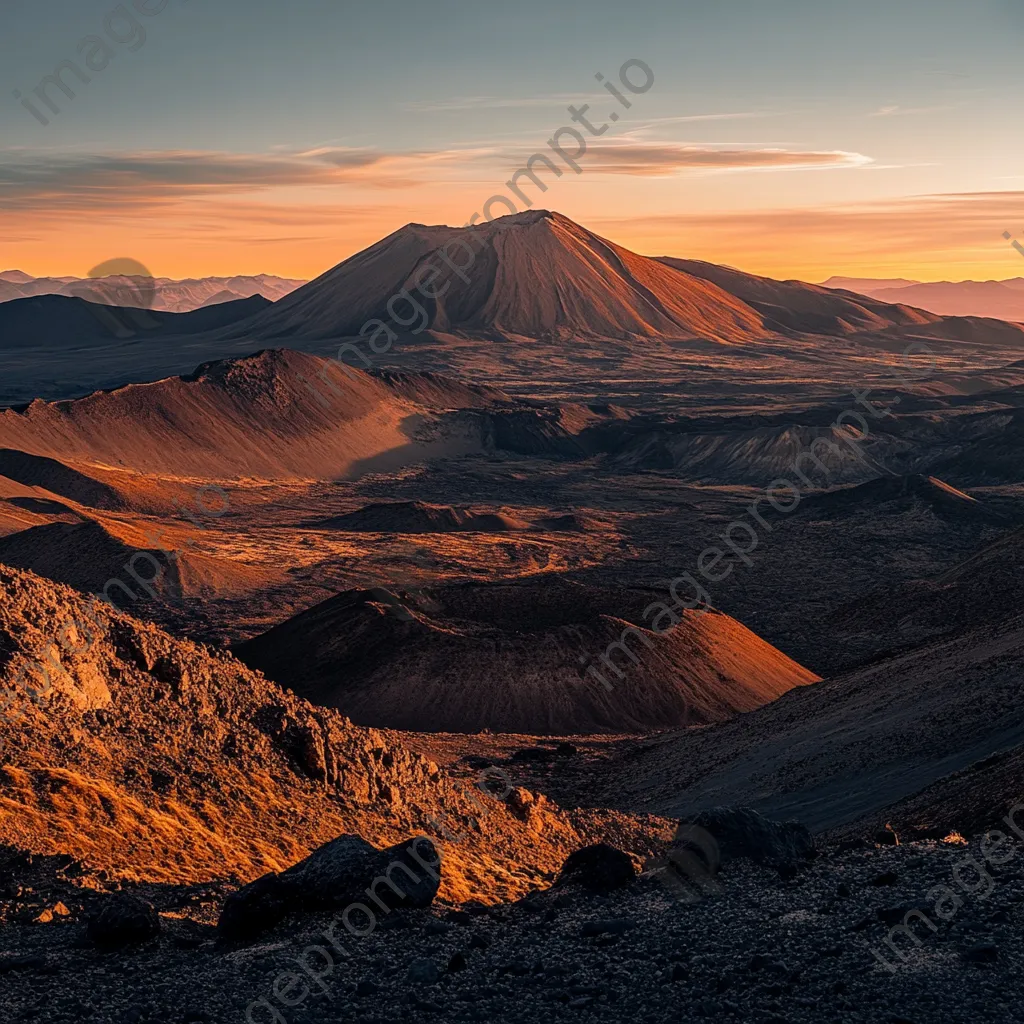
{"x":168,"y":295}
{"x":525,"y":297}
{"x":1003,"y":300}
{"x":540,"y":275}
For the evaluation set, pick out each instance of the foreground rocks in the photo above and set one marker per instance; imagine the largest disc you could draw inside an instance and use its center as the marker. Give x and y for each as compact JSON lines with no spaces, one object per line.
{"x":599,"y":867}
{"x":123,"y":920}
{"x":347,"y":870}
{"x":763,"y":949}
{"x":743,"y":832}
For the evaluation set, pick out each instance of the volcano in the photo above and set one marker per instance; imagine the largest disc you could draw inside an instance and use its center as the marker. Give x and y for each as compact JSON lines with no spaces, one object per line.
{"x":513,"y":657}
{"x":535,"y":275}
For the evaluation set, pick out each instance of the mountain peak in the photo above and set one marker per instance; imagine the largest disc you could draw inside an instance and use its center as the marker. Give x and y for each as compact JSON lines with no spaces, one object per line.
{"x":535,"y":274}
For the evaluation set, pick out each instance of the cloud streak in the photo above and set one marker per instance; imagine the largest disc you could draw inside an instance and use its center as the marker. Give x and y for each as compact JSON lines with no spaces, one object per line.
{"x":669,"y":158}
{"x":104,"y":180}
{"x":129,"y":181}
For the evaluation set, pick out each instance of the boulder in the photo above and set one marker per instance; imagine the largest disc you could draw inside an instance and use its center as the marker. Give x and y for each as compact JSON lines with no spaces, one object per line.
{"x":599,"y":867}
{"x":346,"y":871}
{"x":743,"y":832}
{"x":123,"y":920}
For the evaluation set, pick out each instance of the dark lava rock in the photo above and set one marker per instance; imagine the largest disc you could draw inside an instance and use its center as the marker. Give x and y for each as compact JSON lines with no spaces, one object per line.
{"x":346,"y":870}
{"x":742,"y":832}
{"x":123,"y":920}
{"x":423,"y":971}
{"x":599,"y":867}
{"x":21,"y":962}
{"x":457,"y":962}
{"x":517,"y":968}
{"x":982,"y":953}
{"x":366,"y":987}
{"x":566,"y":750}
{"x":887,"y":837}
{"x":535,"y":754}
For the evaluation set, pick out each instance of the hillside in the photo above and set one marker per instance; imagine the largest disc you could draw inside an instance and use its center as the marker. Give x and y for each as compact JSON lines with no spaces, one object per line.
{"x":36,"y":322}
{"x":808,"y":308}
{"x":854,"y":744}
{"x":515,"y":658}
{"x":275,"y":414}
{"x":160,"y":759}
{"x":86,"y":555}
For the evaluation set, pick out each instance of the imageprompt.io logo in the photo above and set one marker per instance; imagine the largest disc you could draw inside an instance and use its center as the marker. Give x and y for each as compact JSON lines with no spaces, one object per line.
{"x":121,"y":293}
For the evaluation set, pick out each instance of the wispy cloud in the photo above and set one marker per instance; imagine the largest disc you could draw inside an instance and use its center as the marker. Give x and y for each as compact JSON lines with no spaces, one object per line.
{"x":671,"y":158}
{"x":500,"y":103}
{"x":103,"y":180}
{"x":898,"y":111}
{"x":746,"y":115}
{"x":46,"y":182}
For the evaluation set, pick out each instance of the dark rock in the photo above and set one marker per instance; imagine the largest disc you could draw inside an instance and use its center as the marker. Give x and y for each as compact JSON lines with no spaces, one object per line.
{"x":532,"y":754}
{"x":423,"y":972}
{"x":887,"y":837}
{"x":517,"y":968}
{"x":479,"y":941}
{"x":888,"y":878}
{"x":599,"y":867}
{"x":742,"y":832}
{"x":366,"y":987}
{"x":981,"y":953}
{"x":121,"y":921}
{"x":21,"y":962}
{"x":457,"y":962}
{"x":566,"y":750}
{"x":344,"y":871}
{"x":436,"y":927}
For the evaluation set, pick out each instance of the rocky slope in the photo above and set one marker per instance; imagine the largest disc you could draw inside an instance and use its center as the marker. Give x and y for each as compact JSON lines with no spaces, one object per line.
{"x":158,"y":759}
{"x":275,"y":414}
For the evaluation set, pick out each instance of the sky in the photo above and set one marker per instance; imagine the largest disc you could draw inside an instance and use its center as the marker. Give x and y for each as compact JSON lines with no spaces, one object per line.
{"x":792,"y":138}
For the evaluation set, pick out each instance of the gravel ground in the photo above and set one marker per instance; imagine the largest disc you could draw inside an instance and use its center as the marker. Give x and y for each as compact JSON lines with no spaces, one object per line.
{"x":764,"y":948}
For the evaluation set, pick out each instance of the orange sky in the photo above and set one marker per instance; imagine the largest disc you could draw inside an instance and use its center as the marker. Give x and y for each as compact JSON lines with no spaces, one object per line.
{"x":795,"y":141}
{"x":300,"y":232}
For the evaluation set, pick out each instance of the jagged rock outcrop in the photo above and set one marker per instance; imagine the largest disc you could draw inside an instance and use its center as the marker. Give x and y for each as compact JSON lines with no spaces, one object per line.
{"x":158,"y":759}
